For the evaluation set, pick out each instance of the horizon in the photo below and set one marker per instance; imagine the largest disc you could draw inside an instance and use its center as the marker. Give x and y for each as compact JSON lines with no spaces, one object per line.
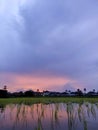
{"x":49,"y":45}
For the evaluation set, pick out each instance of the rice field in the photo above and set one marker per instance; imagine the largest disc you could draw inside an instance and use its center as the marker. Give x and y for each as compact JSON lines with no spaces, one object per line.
{"x":46,"y":100}
{"x":54,"y":116}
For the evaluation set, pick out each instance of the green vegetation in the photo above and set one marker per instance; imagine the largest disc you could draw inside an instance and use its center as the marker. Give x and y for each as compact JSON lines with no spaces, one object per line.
{"x":46,"y":100}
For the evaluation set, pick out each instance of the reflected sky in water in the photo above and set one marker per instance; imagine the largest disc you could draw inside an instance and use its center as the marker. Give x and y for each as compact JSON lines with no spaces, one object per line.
{"x":60,"y":116}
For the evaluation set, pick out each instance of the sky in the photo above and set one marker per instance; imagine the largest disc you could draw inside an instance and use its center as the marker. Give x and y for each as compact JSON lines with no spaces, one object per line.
{"x":49,"y":44}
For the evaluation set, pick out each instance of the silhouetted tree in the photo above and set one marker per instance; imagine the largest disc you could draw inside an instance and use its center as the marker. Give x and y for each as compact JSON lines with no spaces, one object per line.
{"x":84,"y":90}
{"x":5,"y":87}
{"x":94,"y":90}
{"x":38,"y":90}
{"x":3,"y":93}
{"x":79,"y":92}
{"x":29,"y":93}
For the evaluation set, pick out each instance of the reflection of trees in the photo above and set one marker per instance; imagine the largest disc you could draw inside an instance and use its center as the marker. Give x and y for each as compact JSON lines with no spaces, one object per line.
{"x":2,"y":108}
{"x":81,"y":116}
{"x":40,"y":115}
{"x":35,"y":116}
{"x":79,"y":112}
{"x":20,"y":116}
{"x":71,"y":113}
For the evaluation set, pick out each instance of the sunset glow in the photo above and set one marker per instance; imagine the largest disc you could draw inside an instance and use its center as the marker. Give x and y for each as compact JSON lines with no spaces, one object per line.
{"x":25,"y":82}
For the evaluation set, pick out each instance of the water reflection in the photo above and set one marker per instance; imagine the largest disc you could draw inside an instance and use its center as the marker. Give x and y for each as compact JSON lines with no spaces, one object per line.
{"x":60,"y":116}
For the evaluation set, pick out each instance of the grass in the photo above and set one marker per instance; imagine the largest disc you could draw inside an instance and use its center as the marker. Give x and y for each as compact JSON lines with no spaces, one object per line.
{"x":46,"y":100}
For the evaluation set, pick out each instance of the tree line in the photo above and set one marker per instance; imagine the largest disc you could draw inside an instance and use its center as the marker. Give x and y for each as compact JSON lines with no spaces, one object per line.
{"x":4,"y":93}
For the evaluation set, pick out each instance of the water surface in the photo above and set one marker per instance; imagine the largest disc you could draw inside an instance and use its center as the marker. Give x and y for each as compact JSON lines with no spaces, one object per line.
{"x":60,"y":116}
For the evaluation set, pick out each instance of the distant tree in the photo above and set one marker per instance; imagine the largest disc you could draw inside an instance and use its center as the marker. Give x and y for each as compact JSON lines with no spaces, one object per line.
{"x":66,"y":91}
{"x":29,"y":93}
{"x":38,"y":90}
{"x":79,"y":92}
{"x":93,"y":90}
{"x":5,"y":87}
{"x":69,"y":91}
{"x":3,"y":92}
{"x":84,"y":90}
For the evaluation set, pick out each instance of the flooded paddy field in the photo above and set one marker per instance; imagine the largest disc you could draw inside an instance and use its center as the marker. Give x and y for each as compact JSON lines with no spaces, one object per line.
{"x":50,"y":116}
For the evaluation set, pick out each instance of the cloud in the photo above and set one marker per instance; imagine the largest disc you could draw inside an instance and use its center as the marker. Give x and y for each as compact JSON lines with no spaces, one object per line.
{"x":50,"y":38}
